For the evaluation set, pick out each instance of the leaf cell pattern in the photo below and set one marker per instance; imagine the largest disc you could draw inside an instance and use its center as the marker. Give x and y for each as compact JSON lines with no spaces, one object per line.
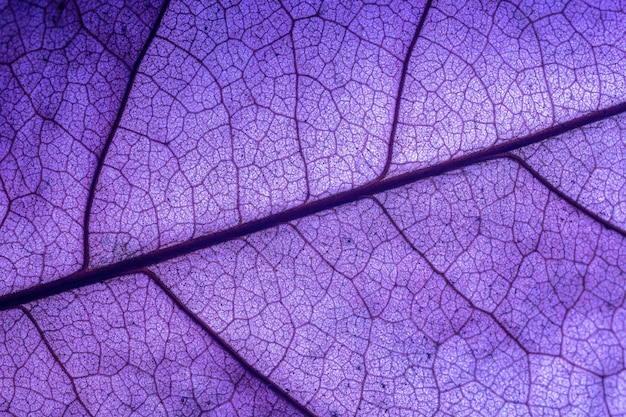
{"x":61,"y":85}
{"x":312,"y":208}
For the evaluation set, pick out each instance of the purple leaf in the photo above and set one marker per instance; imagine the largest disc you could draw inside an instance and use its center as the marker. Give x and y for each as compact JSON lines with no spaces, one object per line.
{"x":261,"y":208}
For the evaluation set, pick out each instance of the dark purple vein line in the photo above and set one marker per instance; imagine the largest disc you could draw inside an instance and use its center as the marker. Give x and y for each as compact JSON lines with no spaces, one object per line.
{"x":116,"y":123}
{"x":224,"y":345}
{"x":564,"y":196}
{"x":46,"y":343}
{"x":405,"y":70}
{"x":87,"y":277}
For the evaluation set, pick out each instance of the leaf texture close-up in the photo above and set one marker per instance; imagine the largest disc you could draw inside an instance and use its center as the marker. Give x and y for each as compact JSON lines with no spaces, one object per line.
{"x":339,"y":208}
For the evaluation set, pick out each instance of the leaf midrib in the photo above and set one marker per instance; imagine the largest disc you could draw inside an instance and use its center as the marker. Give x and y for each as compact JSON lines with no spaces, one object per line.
{"x":86,"y":276}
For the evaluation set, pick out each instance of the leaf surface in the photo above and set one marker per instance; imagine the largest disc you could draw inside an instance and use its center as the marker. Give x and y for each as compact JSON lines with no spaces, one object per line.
{"x":266,"y":208}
